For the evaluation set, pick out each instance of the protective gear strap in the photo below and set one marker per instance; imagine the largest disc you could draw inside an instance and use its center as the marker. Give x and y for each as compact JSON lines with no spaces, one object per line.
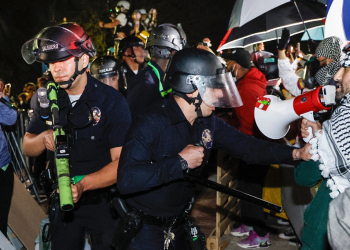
{"x":161,"y":89}
{"x":192,"y":100}
{"x":75,"y":75}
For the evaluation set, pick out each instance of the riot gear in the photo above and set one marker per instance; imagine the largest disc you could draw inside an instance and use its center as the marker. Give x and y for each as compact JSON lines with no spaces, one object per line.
{"x":143,"y":35}
{"x":105,"y":66}
{"x":130,"y":42}
{"x":106,"y":69}
{"x":165,"y":38}
{"x":192,"y":69}
{"x":58,"y":43}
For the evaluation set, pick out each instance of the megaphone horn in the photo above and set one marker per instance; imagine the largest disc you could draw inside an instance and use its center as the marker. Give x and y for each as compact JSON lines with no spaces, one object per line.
{"x":273,"y":116}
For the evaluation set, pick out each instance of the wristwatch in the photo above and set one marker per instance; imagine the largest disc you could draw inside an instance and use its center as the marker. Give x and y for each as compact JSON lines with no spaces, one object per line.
{"x":183,"y":163}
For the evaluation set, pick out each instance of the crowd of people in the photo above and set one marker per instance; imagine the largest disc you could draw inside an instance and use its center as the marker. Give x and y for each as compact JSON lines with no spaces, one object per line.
{"x":140,"y":118}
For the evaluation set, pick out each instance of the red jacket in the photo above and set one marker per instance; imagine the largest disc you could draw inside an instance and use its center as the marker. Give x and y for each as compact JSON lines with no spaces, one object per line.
{"x":250,"y":87}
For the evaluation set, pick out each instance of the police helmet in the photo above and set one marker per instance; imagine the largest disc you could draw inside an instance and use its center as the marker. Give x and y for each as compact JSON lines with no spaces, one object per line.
{"x":129,"y":42}
{"x":57,"y":43}
{"x":124,"y":4}
{"x":191,"y":69}
{"x":104,"y":66}
{"x":167,"y":35}
{"x":143,"y":35}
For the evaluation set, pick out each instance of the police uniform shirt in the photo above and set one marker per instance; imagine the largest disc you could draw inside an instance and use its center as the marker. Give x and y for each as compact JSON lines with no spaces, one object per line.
{"x":149,"y":168}
{"x":144,"y":92}
{"x":111,"y":119}
{"x":130,"y":75}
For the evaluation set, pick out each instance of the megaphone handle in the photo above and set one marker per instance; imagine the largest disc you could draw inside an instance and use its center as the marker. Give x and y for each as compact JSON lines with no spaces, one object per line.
{"x":309,"y":116}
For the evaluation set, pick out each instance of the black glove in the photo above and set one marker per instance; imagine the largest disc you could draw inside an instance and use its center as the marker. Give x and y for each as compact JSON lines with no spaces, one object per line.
{"x":284,"y":39}
{"x":312,"y":45}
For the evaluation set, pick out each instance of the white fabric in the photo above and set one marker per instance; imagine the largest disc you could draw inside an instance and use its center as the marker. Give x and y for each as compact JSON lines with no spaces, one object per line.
{"x":295,"y":64}
{"x":246,"y":10}
{"x":122,"y":19}
{"x":290,"y":79}
{"x":74,"y":98}
{"x":135,"y":72}
{"x":327,"y":157}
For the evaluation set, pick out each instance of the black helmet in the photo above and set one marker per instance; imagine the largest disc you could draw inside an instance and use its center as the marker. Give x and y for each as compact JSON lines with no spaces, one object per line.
{"x":192,"y":69}
{"x":129,"y":42}
{"x":104,"y":66}
{"x":57,"y":43}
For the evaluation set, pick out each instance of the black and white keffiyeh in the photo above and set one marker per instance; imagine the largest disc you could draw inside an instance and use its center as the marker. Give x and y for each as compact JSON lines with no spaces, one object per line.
{"x":346,"y":60}
{"x":330,"y":48}
{"x":334,"y":149}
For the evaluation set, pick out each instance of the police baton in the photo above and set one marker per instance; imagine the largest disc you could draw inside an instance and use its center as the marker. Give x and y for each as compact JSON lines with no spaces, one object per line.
{"x":229,"y":191}
{"x":232,"y":192}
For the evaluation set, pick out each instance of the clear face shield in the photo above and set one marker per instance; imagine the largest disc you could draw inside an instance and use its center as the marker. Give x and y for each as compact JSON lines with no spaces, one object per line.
{"x":33,"y":48}
{"x":219,"y":91}
{"x":111,"y":81}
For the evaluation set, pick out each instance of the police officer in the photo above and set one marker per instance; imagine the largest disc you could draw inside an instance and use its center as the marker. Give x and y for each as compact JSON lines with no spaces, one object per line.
{"x":107,"y":69}
{"x":96,"y":144}
{"x":149,"y":88}
{"x":163,"y":42}
{"x":143,"y":84}
{"x":162,"y":144}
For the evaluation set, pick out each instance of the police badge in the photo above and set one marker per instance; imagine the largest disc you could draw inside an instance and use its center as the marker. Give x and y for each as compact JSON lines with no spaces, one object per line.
{"x":96,"y":115}
{"x":207,"y":139}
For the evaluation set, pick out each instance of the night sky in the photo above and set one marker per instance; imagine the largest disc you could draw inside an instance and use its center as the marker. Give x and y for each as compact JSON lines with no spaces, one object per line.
{"x":21,"y":20}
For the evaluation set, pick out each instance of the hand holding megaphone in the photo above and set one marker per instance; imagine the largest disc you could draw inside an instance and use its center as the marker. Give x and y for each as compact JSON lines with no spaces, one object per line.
{"x":273,"y":116}
{"x":309,"y":128}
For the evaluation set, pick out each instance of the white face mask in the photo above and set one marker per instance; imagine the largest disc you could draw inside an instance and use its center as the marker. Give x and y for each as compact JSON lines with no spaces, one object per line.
{"x":234,"y":75}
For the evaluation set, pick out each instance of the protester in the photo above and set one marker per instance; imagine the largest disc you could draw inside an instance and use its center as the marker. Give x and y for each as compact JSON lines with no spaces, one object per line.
{"x":328,"y":53}
{"x":123,"y":21}
{"x":163,"y":143}
{"x":8,"y":117}
{"x":137,"y":27}
{"x":331,"y":142}
{"x":151,"y":20}
{"x":143,"y":19}
{"x":260,"y":53}
{"x":251,"y":84}
{"x":97,"y":117}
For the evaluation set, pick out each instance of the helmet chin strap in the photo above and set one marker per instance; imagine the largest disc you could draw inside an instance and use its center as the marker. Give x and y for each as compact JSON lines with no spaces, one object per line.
{"x":77,"y":72}
{"x":192,"y":100}
{"x":133,"y":56}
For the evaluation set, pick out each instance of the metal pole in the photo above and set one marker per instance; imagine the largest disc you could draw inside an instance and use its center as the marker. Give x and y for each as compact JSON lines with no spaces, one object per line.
{"x":296,"y":6}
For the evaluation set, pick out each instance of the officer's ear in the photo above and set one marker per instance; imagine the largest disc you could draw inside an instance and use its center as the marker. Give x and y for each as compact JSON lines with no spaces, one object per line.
{"x":85,"y":60}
